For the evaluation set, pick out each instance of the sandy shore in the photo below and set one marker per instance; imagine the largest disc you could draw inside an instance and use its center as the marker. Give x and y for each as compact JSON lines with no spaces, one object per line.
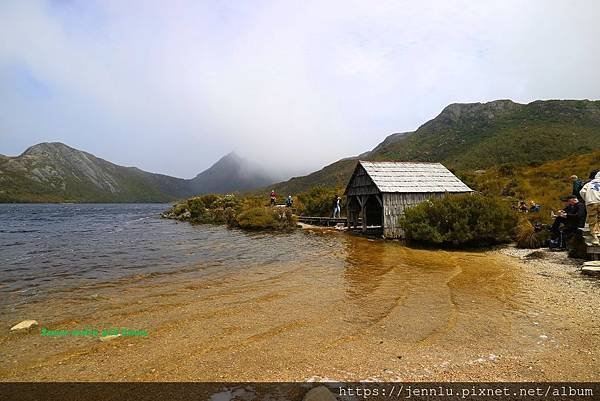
{"x":371,"y":310}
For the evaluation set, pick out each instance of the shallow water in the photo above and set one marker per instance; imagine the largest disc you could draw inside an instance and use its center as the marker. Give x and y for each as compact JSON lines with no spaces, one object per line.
{"x":222,"y":304}
{"x":52,"y":248}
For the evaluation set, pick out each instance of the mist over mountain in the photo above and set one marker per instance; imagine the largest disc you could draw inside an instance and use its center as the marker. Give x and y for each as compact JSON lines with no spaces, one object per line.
{"x":55,"y":172}
{"x":231,"y":173}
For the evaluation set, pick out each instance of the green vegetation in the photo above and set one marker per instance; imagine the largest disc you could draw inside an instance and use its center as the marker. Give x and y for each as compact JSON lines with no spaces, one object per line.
{"x":543,"y":183}
{"x":248,"y":212}
{"x":460,"y":220}
{"x":318,"y":201}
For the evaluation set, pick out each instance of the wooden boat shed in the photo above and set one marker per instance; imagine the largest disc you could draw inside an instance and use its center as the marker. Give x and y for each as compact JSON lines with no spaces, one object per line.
{"x":378,"y":192}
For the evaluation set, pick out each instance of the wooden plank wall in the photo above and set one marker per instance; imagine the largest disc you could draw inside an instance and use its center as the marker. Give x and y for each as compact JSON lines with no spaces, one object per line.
{"x":393,"y":207}
{"x":361,"y":183}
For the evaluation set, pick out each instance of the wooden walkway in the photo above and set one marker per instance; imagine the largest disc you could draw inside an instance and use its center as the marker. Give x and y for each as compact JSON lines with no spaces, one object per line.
{"x":323,"y":221}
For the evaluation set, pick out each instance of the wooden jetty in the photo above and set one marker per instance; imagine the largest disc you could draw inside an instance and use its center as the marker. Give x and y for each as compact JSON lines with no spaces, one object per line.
{"x":323,"y":221}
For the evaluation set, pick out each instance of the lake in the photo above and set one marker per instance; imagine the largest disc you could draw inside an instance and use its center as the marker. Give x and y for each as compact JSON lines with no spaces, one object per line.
{"x":218,"y":304}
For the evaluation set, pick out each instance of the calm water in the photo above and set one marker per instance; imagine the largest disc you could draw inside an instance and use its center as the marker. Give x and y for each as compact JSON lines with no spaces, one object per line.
{"x":50,"y":248}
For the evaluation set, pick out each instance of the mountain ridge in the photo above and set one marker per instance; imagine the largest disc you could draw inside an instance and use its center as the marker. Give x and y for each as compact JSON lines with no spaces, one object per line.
{"x":470,"y":136}
{"x":56,"y":172}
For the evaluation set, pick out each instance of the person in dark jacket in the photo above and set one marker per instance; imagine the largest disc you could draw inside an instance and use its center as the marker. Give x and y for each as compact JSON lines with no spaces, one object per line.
{"x":570,"y":218}
{"x":577,"y":185}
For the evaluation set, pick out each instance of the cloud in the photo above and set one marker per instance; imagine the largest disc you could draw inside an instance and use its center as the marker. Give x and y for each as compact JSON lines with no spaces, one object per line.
{"x":171,"y":87}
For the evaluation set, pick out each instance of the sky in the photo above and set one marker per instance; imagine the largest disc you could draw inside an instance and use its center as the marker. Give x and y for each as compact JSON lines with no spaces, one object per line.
{"x":171,"y":86}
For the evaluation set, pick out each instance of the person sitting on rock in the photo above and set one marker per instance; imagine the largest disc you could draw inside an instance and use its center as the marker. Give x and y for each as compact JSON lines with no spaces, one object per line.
{"x":569,"y":219}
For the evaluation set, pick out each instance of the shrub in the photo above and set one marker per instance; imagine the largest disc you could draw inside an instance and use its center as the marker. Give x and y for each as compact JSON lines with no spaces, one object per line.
{"x":460,"y":220}
{"x":318,"y":201}
{"x":528,"y":236}
{"x":248,"y":212}
{"x":215,"y":209}
{"x":258,"y":217}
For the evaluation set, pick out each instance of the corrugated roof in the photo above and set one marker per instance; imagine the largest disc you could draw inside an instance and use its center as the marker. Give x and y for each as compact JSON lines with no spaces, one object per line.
{"x":413,"y":177}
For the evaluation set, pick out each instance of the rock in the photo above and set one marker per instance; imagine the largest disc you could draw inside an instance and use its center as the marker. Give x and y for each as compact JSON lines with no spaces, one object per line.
{"x":25,"y":324}
{"x":320,"y":393}
{"x":108,"y":338}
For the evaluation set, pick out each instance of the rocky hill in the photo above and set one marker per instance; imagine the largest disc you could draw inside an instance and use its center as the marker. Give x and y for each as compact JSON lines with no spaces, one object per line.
{"x":472,"y":136}
{"x":231,"y":173}
{"x":55,"y":172}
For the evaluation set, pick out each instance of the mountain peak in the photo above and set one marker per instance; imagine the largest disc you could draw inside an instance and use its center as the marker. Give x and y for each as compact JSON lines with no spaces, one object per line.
{"x":47,"y":147}
{"x":231,"y":173}
{"x":455,"y":111}
{"x":231,"y":156}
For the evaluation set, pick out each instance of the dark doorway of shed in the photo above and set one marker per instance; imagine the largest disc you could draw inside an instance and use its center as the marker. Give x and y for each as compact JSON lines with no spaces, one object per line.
{"x":374,"y":213}
{"x":368,"y":208}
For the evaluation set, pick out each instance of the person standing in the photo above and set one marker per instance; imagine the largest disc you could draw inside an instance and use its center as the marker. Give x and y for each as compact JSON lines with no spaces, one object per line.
{"x":289,"y":201}
{"x":591,"y":195}
{"x":337,"y":209}
{"x":577,"y":186}
{"x":273,"y":198}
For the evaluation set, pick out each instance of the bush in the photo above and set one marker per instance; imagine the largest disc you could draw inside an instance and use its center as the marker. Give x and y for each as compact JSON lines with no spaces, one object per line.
{"x":248,"y":213}
{"x":528,"y":236}
{"x":318,"y":201}
{"x":460,"y":220}
{"x":213,"y":209}
{"x":260,"y":217}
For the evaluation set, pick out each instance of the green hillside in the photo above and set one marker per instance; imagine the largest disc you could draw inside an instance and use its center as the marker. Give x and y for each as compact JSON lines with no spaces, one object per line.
{"x":54,"y":172}
{"x":468,"y":137}
{"x":482,"y":135}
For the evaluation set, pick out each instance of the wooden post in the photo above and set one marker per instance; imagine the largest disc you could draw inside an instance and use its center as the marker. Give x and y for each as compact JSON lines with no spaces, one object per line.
{"x":363,"y":211}
{"x":356,"y":212}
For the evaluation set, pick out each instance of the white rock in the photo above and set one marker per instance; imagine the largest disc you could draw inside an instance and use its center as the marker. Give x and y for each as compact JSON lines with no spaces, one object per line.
{"x":25,"y":324}
{"x":320,"y":393}
{"x":108,"y":338}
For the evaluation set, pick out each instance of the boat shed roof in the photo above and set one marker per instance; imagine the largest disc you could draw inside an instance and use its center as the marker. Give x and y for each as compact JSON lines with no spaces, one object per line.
{"x":411,"y":177}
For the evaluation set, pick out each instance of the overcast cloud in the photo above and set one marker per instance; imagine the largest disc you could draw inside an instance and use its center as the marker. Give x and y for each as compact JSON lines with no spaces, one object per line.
{"x":172,"y":86}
